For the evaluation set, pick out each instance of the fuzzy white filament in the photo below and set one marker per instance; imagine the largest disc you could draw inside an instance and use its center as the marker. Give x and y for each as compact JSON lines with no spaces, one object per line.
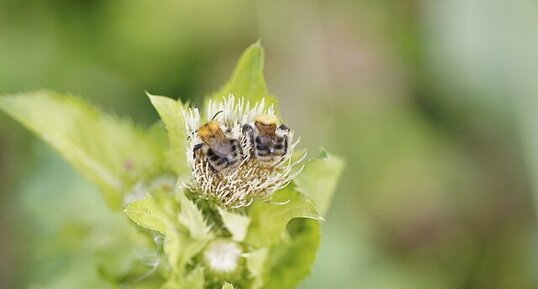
{"x":223,"y":256}
{"x":251,"y":179}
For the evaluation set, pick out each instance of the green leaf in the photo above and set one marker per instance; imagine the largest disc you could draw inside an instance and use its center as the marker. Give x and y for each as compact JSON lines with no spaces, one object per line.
{"x":256,"y":265}
{"x":236,"y":224}
{"x":85,"y":236}
{"x":180,"y":249}
{"x":146,"y":213}
{"x":269,"y":219}
{"x":159,"y":211}
{"x":319,"y":178}
{"x":192,"y":218}
{"x":247,"y":79}
{"x":291,"y":261}
{"x":227,"y":286}
{"x":195,"y":279}
{"x":171,"y":283}
{"x":112,"y":153}
{"x":170,"y":112}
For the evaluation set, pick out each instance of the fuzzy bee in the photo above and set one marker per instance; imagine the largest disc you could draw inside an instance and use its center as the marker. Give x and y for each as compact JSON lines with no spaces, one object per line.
{"x":269,"y":143}
{"x":220,"y":151}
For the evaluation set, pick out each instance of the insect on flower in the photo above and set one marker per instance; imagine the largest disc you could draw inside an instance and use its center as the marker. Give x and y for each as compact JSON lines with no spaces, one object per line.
{"x":220,"y":151}
{"x":269,"y":143}
{"x":227,"y":165}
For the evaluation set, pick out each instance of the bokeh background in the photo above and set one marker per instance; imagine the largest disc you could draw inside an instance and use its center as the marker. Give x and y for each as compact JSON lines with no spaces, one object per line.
{"x":432,"y":103}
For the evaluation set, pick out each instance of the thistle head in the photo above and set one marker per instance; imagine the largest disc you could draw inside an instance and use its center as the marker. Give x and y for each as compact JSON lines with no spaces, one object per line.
{"x":238,"y":156}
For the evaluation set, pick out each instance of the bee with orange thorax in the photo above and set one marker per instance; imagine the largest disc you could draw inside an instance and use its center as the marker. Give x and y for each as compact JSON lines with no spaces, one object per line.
{"x":220,"y":151}
{"x":269,"y":142}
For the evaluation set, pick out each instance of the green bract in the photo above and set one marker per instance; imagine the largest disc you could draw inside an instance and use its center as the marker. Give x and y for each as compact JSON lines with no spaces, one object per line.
{"x":196,"y":243}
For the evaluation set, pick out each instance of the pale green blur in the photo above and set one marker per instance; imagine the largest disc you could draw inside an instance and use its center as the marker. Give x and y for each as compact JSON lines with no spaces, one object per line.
{"x":431,"y":103}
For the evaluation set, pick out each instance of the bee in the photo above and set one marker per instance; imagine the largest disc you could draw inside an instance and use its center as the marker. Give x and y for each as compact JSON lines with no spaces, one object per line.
{"x":220,"y":151}
{"x":269,"y":143}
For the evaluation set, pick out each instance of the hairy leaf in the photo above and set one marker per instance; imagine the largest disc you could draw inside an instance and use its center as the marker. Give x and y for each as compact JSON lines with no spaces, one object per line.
{"x":236,"y":224}
{"x":195,"y":279}
{"x":319,"y":178}
{"x":269,"y":219}
{"x":180,"y":249}
{"x":159,"y":212}
{"x":112,"y":153}
{"x":255,"y":262}
{"x":86,"y":237}
{"x":192,"y":218}
{"x":247,"y":79}
{"x":291,"y":261}
{"x":170,"y":112}
{"x":146,"y":213}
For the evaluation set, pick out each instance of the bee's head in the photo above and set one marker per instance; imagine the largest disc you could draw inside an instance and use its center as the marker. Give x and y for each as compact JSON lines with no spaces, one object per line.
{"x":266,"y":123}
{"x":210,"y":132}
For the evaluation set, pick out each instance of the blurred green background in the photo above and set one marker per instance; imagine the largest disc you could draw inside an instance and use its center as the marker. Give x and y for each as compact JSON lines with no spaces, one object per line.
{"x":432,"y":103}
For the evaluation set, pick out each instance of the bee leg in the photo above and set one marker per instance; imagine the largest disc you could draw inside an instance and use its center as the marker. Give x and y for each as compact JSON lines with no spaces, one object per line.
{"x":249,"y":132}
{"x":213,"y":170}
{"x":284,"y":127}
{"x":227,"y":163}
{"x":285,"y":144}
{"x":241,"y":152}
{"x":247,"y":128}
{"x":195,"y":149}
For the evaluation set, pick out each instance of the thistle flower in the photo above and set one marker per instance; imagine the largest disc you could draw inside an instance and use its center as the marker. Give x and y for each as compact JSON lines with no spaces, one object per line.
{"x":252,"y":178}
